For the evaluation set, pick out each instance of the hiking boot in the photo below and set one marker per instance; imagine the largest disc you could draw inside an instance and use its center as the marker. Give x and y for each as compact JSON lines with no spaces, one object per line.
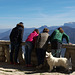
{"x":16,"y":63}
{"x":29,"y":65}
{"x":11,"y":63}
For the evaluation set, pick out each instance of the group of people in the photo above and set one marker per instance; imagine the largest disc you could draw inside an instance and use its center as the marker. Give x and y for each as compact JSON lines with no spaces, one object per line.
{"x":36,"y":40}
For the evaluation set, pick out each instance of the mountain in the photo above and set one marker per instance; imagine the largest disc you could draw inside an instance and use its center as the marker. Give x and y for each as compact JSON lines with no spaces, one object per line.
{"x":3,"y":30}
{"x":45,"y":26}
{"x":68,"y":30}
{"x":5,"y":35}
{"x":70,"y":24}
{"x":27,"y":31}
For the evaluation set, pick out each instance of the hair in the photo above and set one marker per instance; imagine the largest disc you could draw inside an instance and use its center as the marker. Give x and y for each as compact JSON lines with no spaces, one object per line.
{"x":36,"y":31}
{"x":20,"y":24}
{"x":60,"y":29}
{"x":46,"y":30}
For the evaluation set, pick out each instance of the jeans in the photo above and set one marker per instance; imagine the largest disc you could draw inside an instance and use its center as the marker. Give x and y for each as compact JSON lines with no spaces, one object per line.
{"x":28,"y":50}
{"x":40,"y":55}
{"x":56,"y":52}
{"x":14,"y":51}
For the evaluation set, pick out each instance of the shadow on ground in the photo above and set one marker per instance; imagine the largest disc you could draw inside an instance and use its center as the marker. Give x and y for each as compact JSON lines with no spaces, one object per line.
{"x":32,"y":70}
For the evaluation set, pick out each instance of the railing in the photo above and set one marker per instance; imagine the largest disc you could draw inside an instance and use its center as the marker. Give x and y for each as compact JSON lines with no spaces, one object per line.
{"x":5,"y":53}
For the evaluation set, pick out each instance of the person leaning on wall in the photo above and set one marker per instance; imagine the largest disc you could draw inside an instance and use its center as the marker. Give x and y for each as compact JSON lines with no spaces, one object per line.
{"x":41,"y":47}
{"x":29,"y":45}
{"x":56,"y":39}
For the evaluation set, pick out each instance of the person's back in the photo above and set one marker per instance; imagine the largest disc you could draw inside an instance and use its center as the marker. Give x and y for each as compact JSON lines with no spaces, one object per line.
{"x":29,"y":45}
{"x":57,"y":35}
{"x":32,"y":36}
{"x":41,"y":47}
{"x":56,"y":39}
{"x":42,"y":40}
{"x":16,"y":39}
{"x":16,"y":34}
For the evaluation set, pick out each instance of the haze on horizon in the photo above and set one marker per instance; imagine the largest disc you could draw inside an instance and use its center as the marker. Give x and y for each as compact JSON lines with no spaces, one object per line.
{"x":36,"y":13}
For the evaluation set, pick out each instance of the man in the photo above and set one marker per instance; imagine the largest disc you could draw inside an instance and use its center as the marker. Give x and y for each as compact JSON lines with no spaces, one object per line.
{"x":16,"y":36}
{"x":56,"y":41}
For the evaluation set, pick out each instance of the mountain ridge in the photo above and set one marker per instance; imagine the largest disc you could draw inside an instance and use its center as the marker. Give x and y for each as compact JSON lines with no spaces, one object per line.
{"x":67,"y":29}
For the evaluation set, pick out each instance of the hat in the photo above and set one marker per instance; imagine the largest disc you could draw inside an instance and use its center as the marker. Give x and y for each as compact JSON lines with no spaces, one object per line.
{"x":21,"y":23}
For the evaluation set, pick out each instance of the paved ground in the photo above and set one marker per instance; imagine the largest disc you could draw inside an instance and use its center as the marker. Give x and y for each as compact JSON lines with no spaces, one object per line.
{"x":6,"y":69}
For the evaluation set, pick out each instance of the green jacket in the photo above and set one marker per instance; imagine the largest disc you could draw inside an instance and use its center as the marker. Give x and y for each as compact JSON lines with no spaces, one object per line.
{"x":57,"y":35}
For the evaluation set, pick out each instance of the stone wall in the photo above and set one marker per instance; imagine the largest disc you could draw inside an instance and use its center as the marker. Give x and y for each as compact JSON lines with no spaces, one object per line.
{"x":5,"y":54}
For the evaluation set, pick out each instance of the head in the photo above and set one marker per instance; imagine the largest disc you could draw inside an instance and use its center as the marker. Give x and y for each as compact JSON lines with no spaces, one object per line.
{"x":47,"y":56}
{"x":20,"y":24}
{"x":60,"y":29}
{"x":45,"y":30}
{"x":36,"y":31}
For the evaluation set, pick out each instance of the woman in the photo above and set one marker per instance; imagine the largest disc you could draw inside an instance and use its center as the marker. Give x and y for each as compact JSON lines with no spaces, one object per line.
{"x":30,"y":41}
{"x":41,"y":47}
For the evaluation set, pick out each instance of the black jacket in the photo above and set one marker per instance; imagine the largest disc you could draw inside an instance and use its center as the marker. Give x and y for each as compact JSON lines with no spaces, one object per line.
{"x":16,"y":34}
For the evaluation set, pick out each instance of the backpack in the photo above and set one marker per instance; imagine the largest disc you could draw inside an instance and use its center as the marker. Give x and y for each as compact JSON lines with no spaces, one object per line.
{"x":14,"y":35}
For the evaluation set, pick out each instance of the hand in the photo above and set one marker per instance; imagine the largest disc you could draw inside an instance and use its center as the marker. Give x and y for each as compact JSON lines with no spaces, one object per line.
{"x":70,"y":43}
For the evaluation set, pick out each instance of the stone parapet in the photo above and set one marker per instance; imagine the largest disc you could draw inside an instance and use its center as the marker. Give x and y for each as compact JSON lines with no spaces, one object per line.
{"x":5,"y":54}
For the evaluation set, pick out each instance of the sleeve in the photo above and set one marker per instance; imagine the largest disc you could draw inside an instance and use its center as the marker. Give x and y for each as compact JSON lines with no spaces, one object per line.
{"x":66,"y":37}
{"x":48,"y":40}
{"x":21,"y":34}
{"x":52,"y":35}
{"x":37,"y":40}
{"x":11,"y":34}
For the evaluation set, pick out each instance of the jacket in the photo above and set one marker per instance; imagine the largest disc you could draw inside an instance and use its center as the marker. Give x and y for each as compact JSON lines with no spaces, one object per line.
{"x":32,"y":37}
{"x":16,"y":34}
{"x":41,"y":40}
{"x":58,"y":36}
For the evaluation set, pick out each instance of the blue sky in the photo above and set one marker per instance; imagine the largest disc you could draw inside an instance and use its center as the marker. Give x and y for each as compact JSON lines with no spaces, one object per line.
{"x":35,"y":13}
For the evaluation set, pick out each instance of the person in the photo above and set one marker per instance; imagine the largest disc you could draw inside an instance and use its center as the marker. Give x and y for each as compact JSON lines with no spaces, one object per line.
{"x":41,"y":47}
{"x":16,"y":36}
{"x":56,"y":39}
{"x":29,"y":45}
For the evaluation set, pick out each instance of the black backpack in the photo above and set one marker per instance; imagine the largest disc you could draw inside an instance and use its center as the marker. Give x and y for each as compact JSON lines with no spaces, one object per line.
{"x":14,"y":35}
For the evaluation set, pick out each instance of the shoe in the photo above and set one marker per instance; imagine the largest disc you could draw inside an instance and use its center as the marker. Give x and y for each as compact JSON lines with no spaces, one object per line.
{"x":11,"y":63}
{"x":39,"y":67}
{"x":16,"y":63}
{"x":29,"y":65}
{"x":26,"y":65}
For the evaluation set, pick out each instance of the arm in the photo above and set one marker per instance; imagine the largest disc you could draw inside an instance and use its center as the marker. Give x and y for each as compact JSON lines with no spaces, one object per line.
{"x":48,"y":40}
{"x":11,"y":35}
{"x":66,"y":37}
{"x":37,"y":40}
{"x":21,"y":34}
{"x":52,"y":35}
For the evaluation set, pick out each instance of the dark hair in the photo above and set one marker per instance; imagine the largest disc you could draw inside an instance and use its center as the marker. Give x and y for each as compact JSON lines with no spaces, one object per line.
{"x":21,"y":23}
{"x":60,"y":29}
{"x":36,"y":31}
{"x":46,"y":30}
